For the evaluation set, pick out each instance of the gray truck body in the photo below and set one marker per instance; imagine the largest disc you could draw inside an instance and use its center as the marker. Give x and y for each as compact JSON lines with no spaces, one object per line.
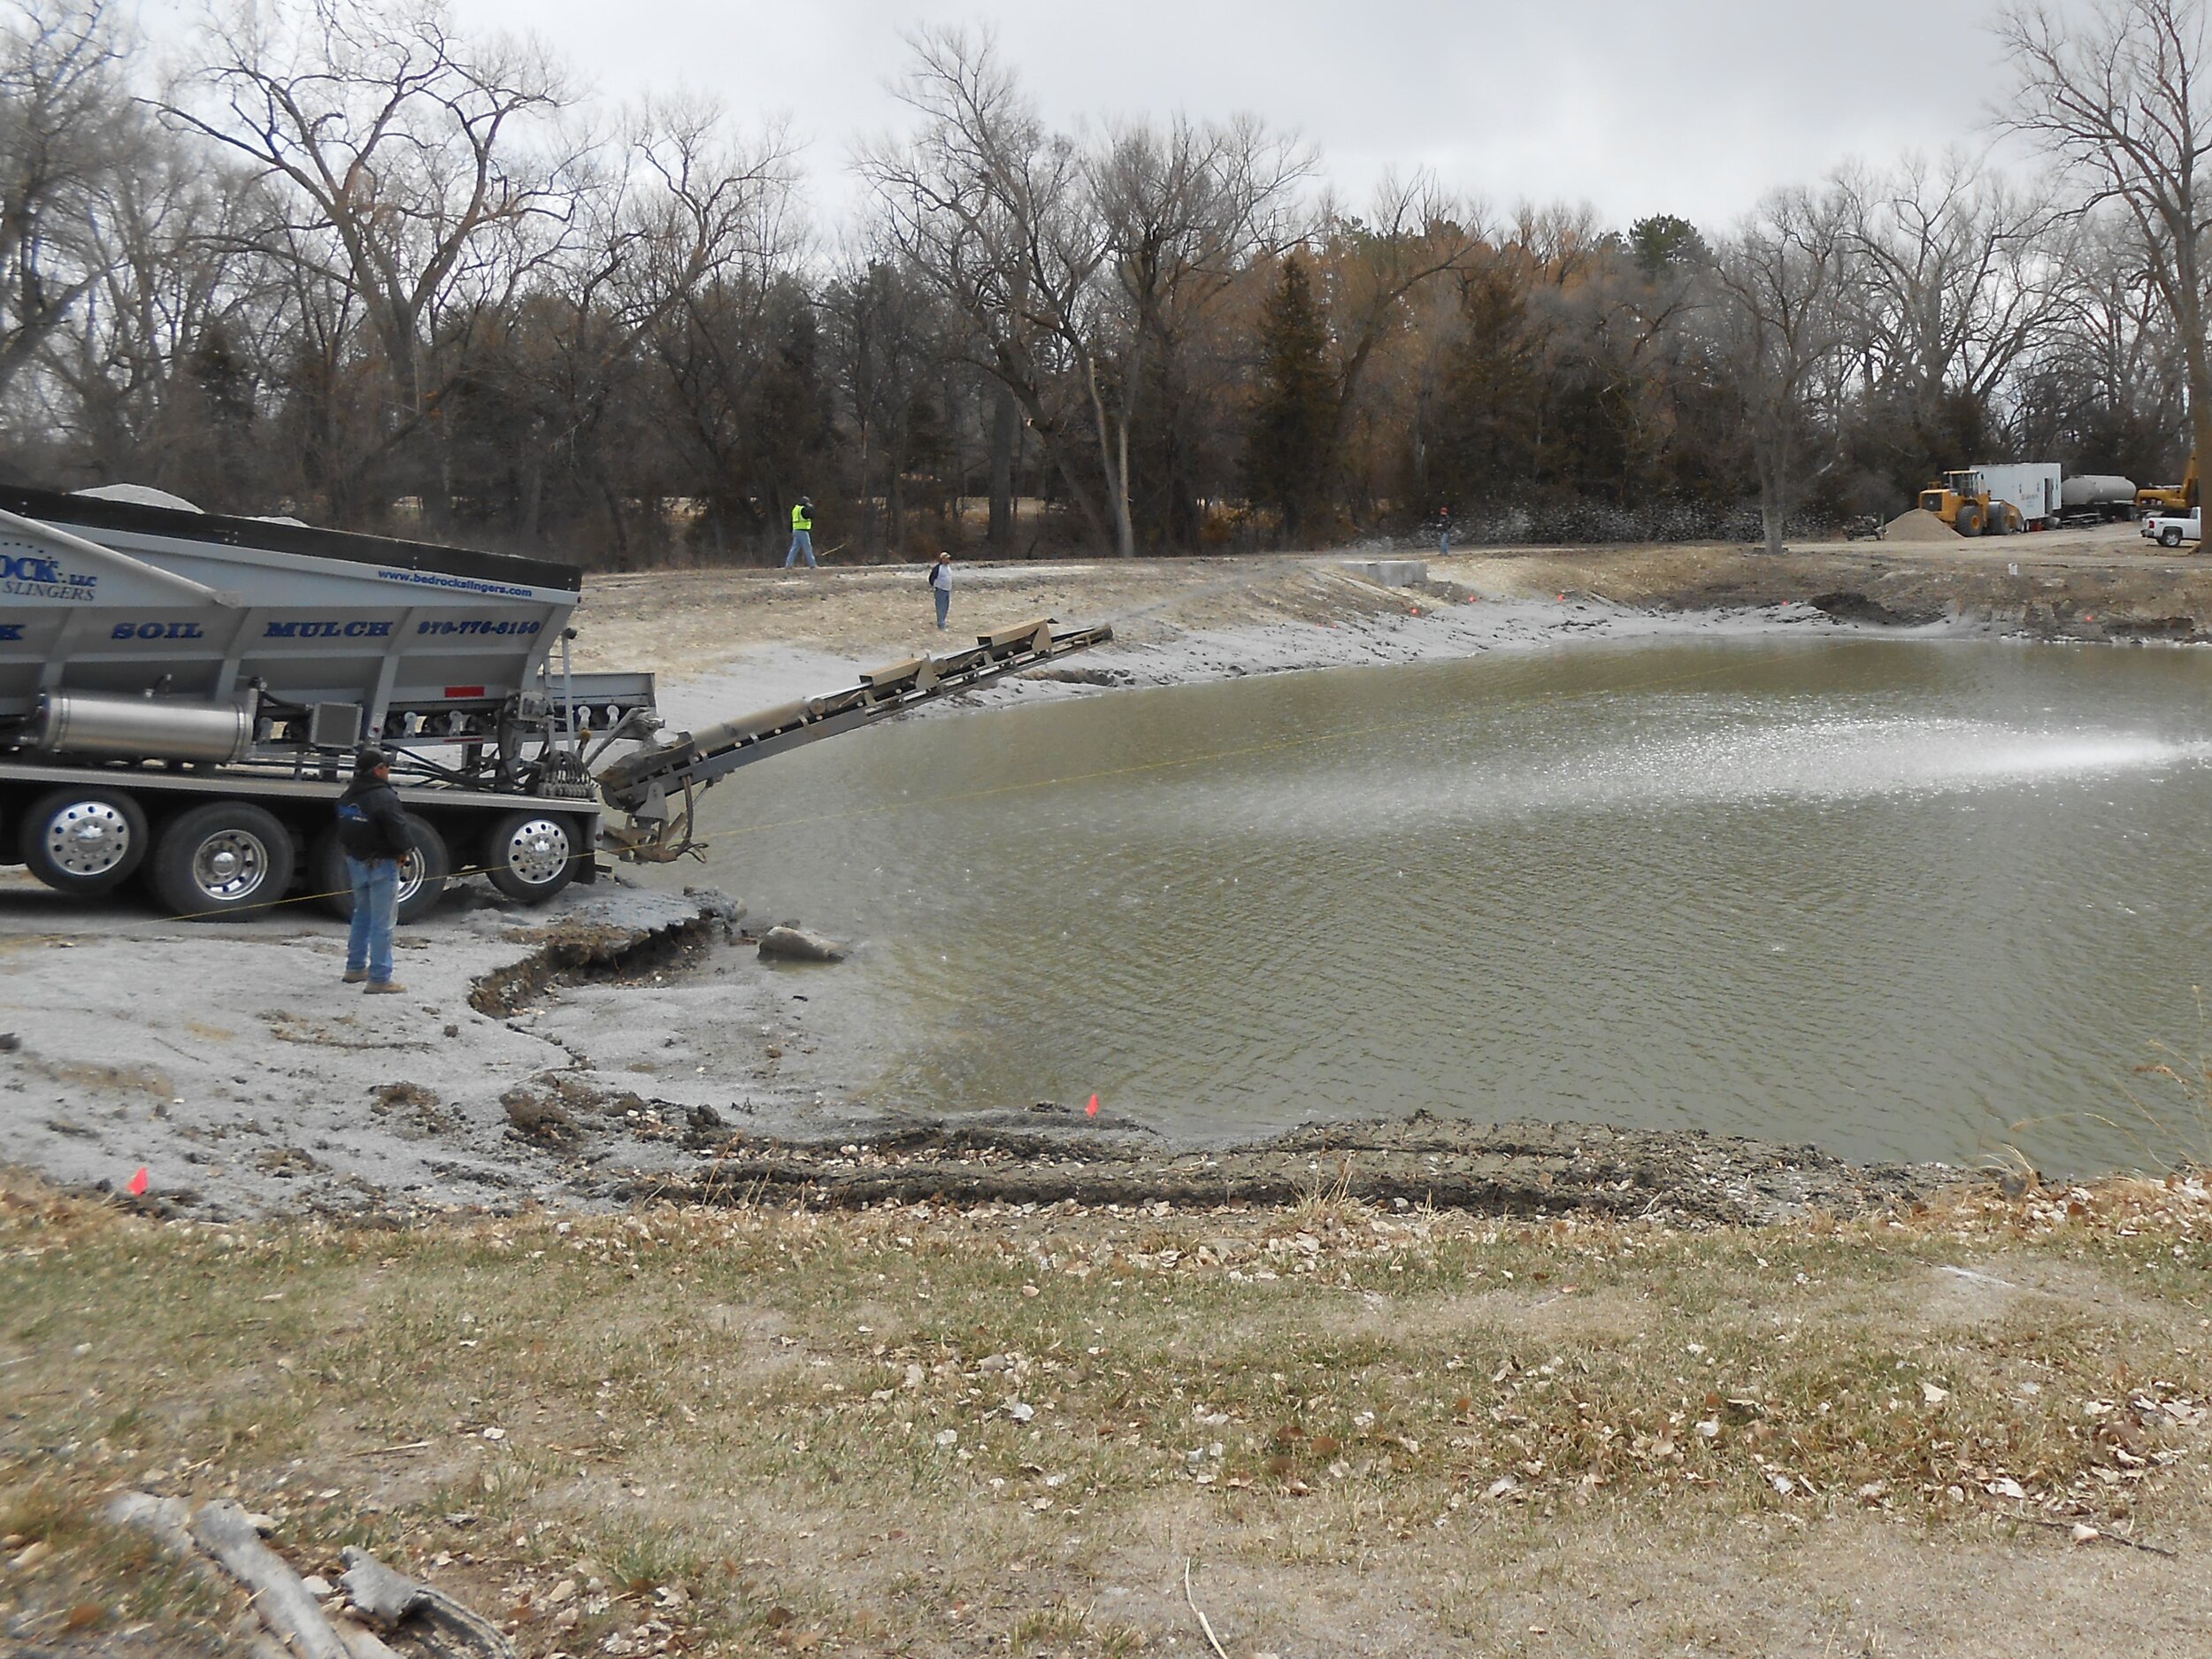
{"x":113,"y":597}
{"x":166,"y":673}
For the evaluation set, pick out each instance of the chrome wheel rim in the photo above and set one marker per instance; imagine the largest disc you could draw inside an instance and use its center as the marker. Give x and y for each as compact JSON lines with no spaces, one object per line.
{"x":537,"y":852}
{"x":88,"y":839}
{"x":230,"y":865}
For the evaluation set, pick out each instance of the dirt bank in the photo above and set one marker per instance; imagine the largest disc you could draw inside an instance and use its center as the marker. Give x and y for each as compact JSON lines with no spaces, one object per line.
{"x":724,"y":639}
{"x":247,"y":1079}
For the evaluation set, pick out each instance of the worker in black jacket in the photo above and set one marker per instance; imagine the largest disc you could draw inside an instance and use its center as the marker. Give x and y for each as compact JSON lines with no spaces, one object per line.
{"x":372,"y":829}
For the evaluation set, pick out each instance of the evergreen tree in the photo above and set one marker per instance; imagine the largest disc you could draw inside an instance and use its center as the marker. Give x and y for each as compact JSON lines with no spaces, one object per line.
{"x":1492,"y":411}
{"x":1664,"y":243}
{"x":1288,"y":460}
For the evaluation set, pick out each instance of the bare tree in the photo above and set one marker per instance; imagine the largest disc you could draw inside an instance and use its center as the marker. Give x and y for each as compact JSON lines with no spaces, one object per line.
{"x":1185,"y":209}
{"x":68,"y":135}
{"x":1960,"y":276}
{"x":996,"y":214}
{"x":166,"y":362}
{"x":399,"y":145}
{"x":1412,"y":234}
{"x":2110,"y":91}
{"x":885,"y":334}
{"x":2116,"y":339}
{"x":1779,"y":284}
{"x":681,"y":204}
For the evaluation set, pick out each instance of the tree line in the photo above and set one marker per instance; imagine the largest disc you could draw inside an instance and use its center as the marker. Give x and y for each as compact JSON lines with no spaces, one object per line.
{"x":345,"y":263}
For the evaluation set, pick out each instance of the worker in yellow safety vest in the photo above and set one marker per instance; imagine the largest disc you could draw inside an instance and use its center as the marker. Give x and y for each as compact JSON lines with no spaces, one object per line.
{"x":801,"y":534}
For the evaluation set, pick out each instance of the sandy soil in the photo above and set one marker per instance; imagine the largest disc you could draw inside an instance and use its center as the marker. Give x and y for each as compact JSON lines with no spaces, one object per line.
{"x":246,"y":1078}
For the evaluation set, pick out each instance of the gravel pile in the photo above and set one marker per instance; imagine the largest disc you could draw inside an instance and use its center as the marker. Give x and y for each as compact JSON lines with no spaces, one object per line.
{"x":1917,"y":524}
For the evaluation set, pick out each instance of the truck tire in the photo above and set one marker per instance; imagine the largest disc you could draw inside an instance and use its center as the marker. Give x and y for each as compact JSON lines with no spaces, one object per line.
{"x":1970,"y":518}
{"x":2170,"y":535}
{"x":83,"y":840}
{"x":532,"y":856}
{"x":222,"y":861}
{"x":422,"y":877}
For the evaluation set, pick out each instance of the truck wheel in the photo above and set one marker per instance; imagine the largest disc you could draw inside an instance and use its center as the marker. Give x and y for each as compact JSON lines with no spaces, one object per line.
{"x":2171,"y":536}
{"x":221,"y":862}
{"x":423,"y":873}
{"x":532,"y":856}
{"x":1970,"y":519}
{"x":83,"y":840}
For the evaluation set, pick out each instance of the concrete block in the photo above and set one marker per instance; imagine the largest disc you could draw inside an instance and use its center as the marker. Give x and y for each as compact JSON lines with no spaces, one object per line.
{"x":1390,"y":573}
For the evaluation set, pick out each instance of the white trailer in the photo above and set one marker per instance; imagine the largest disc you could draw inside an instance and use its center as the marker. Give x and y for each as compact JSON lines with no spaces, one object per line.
{"x":2033,"y":489}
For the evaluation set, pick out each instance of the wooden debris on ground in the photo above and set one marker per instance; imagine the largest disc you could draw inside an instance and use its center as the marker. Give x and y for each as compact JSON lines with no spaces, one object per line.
{"x":422,"y":1621}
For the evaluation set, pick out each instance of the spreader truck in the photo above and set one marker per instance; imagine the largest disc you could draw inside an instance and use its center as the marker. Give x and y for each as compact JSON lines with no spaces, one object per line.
{"x":181,"y":694}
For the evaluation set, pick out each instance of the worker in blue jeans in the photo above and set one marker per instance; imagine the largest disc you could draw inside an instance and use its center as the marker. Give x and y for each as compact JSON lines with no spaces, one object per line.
{"x":372,"y":830}
{"x":940,"y":588}
{"x":801,"y":534}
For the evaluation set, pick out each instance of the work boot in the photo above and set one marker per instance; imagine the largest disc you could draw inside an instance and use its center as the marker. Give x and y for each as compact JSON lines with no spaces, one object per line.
{"x":354,"y":976}
{"x":384,"y":988}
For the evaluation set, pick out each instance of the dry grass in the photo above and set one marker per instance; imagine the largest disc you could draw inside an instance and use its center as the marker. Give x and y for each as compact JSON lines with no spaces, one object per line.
{"x":933,"y":1431}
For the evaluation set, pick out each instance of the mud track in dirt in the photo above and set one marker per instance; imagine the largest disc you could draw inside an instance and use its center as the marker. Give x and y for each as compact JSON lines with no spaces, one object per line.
{"x":1528,"y":1169}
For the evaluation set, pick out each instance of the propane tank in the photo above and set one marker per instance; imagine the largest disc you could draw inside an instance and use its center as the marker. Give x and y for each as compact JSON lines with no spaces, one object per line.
{"x":2087,"y":488}
{"x":141,"y":728}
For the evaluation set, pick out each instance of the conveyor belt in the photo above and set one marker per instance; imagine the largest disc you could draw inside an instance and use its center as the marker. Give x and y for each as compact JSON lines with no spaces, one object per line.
{"x":647,"y":783}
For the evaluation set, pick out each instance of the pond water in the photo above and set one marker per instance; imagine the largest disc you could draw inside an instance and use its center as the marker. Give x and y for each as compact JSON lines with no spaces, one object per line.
{"x":1897,"y":899}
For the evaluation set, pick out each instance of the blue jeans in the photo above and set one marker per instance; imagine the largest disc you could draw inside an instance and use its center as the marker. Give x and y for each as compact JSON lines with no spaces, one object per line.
{"x":375,"y":908}
{"x":802,"y":548}
{"x":944,"y":604}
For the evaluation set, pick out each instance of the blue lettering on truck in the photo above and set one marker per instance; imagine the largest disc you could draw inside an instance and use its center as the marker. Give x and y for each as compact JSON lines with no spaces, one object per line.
{"x":11,"y":631}
{"x":478,"y":624}
{"x":156,"y":631}
{"x":329,"y":631}
{"x":40,"y":576}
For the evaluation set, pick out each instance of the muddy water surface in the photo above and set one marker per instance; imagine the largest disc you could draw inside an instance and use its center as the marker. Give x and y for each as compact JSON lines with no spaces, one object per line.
{"x":1913,"y":900}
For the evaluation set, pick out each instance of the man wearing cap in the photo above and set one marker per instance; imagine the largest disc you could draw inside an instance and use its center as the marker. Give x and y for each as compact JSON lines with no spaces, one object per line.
{"x":372,"y":829}
{"x":940,"y":588}
{"x":801,"y":534}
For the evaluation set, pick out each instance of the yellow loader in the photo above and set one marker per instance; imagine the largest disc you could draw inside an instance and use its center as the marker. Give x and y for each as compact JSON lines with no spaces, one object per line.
{"x":1962,"y":500}
{"x":2175,"y":499}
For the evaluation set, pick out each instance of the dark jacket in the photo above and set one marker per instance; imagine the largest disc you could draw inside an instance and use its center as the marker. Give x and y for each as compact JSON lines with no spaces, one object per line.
{"x":371,"y":823}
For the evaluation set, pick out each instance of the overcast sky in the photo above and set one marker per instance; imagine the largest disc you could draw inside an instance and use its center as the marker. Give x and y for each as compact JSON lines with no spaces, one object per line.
{"x":1635,"y":106}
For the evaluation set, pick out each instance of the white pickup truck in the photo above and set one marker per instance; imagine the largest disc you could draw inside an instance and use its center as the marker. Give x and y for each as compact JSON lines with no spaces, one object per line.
{"x":2172,"y":529}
